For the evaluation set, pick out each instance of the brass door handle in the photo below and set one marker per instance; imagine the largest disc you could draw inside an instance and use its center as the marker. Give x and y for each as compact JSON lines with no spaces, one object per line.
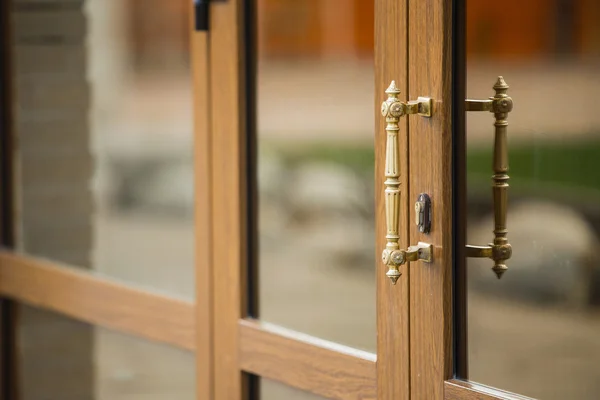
{"x":392,"y":109}
{"x":499,"y":250}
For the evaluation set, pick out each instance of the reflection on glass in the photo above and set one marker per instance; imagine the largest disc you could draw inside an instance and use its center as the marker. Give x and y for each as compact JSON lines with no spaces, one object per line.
{"x":104,"y":126}
{"x":60,"y":358}
{"x":315,"y":168}
{"x":536,"y":331}
{"x":271,"y":390}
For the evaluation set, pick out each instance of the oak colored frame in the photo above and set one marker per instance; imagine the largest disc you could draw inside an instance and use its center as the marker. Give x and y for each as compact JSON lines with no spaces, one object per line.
{"x":393,"y":339}
{"x":430,"y":69}
{"x":101,"y":302}
{"x":302,"y":361}
{"x":202,"y":212}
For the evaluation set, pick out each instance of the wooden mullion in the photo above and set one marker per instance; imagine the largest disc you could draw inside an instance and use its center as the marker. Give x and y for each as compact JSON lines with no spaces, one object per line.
{"x":199,"y":50}
{"x":228,"y":202}
{"x":393,"y":342}
{"x":430,"y":149}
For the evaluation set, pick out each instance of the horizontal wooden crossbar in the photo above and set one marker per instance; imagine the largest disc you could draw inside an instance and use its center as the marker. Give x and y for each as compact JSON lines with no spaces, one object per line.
{"x":97,"y":300}
{"x":318,"y":366}
{"x":456,"y":389}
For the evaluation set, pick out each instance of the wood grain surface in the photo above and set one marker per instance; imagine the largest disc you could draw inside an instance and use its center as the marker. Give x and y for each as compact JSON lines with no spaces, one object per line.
{"x":97,"y":301}
{"x":463,"y":390}
{"x":430,"y":149}
{"x":202,"y":210}
{"x":228,"y":144}
{"x":391,"y":63}
{"x":305,"y":362}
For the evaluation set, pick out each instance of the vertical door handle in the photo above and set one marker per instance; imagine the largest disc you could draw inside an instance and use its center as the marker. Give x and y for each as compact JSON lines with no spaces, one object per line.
{"x":499,"y":250}
{"x":393,"y":109}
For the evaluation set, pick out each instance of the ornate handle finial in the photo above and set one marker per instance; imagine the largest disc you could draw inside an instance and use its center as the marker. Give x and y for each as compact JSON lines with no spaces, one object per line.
{"x":500,"y":250}
{"x":392,"y":109}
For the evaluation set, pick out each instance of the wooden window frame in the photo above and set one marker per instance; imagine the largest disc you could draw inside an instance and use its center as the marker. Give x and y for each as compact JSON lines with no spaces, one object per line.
{"x":98,"y":301}
{"x":242,"y":345}
{"x":108,"y":304}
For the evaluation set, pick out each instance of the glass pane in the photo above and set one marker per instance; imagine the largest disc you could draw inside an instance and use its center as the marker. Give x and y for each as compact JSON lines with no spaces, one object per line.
{"x":315,"y":168}
{"x":60,"y":358}
{"x":103,"y":126}
{"x":271,"y":390}
{"x":536,"y":331}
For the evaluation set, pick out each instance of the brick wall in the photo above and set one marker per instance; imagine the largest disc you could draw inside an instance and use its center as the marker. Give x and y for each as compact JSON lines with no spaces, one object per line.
{"x":54,"y":201}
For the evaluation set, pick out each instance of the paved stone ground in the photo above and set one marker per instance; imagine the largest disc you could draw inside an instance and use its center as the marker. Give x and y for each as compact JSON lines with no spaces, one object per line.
{"x":544,"y":352}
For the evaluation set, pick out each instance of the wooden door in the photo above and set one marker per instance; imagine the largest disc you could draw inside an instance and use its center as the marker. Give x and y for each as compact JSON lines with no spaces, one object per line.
{"x":301,"y":303}
{"x":534,"y":331}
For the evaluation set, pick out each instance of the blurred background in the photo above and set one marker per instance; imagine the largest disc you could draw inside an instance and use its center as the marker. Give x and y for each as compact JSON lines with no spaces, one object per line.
{"x":103,"y":116}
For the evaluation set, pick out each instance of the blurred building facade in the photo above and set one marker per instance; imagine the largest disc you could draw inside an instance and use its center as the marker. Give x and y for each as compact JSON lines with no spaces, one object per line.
{"x":313,"y":28}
